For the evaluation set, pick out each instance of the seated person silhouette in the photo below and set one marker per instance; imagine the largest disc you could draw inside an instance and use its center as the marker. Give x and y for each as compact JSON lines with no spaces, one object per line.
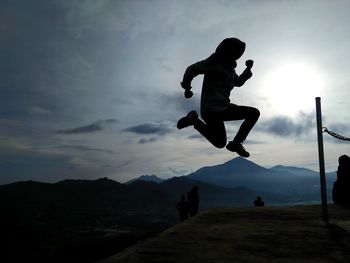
{"x":182,"y":208}
{"x":341,"y":187}
{"x":219,"y":79}
{"x":259,"y":202}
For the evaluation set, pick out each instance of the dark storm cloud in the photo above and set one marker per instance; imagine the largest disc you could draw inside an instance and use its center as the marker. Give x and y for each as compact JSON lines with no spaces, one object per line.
{"x":286,"y":126}
{"x":150,"y":128}
{"x":93,"y":127}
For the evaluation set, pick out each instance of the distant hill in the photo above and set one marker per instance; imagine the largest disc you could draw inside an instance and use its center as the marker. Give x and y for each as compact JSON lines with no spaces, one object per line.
{"x":33,"y":199}
{"x":295,"y":170}
{"x":78,"y":220}
{"x":217,"y":196}
{"x":147,"y":178}
{"x":240,"y":172}
{"x":76,"y":201}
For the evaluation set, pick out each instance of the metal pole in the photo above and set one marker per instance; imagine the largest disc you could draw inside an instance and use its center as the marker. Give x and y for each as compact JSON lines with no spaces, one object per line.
{"x":321,"y":161}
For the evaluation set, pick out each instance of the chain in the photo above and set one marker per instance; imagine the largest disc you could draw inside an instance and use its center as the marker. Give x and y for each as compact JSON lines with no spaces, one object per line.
{"x":335,"y":135}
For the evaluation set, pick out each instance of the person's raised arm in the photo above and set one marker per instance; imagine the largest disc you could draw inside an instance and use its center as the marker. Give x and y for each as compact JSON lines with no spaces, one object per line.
{"x":246,"y":74}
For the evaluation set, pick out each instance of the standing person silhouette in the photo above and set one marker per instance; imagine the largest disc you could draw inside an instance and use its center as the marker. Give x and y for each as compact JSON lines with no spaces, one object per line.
{"x":193,"y":201}
{"x":341,"y":187}
{"x":182,"y":208}
{"x":219,"y":79}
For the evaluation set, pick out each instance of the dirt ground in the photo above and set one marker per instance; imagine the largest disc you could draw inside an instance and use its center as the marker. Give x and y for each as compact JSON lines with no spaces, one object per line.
{"x":266,"y":234}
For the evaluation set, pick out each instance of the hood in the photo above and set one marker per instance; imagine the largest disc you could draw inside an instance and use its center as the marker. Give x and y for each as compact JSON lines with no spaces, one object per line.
{"x":230,"y":49}
{"x":344,"y":160}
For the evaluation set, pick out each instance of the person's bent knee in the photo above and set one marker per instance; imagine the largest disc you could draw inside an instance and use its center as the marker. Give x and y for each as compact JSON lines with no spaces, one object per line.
{"x":256,"y":113}
{"x":220,"y":144}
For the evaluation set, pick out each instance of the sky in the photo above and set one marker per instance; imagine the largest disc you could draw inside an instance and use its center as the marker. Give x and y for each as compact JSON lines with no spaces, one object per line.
{"x":91,"y":89}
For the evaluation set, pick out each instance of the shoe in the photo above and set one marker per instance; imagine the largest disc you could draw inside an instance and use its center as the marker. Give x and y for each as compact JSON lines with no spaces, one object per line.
{"x":188,"y":120}
{"x":238,"y":148}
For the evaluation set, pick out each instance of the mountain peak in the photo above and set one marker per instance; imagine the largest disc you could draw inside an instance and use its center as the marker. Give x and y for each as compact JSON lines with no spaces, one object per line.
{"x":147,"y":178}
{"x":242,"y":163}
{"x":240,"y":160}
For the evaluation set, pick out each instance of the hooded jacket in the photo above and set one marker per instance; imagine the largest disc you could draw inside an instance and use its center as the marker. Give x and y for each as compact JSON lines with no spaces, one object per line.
{"x":341,"y":187}
{"x":219,"y":75}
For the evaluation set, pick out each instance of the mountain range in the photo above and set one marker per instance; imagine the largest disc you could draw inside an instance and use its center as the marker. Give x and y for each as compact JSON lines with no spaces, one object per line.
{"x":297,"y":183}
{"x":232,"y":183}
{"x":278,"y":179}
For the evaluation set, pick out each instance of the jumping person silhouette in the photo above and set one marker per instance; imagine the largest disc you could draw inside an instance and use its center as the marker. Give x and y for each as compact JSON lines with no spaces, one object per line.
{"x":219,"y":79}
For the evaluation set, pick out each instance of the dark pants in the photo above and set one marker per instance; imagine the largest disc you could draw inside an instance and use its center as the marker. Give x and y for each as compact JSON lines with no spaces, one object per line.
{"x":213,"y":129}
{"x":193,"y":209}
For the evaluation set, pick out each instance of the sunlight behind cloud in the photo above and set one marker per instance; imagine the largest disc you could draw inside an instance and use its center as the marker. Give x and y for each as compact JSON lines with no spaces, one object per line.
{"x":292,"y":87}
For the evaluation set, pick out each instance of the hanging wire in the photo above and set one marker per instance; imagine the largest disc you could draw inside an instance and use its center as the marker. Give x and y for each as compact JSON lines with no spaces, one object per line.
{"x":335,"y":135}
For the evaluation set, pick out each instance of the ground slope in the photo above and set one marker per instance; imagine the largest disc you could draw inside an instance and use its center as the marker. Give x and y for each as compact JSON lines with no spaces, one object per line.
{"x":268,"y":234}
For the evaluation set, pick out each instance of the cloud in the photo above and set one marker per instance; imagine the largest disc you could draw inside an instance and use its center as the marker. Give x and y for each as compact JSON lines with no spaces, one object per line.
{"x":286,"y":126}
{"x":83,"y":148}
{"x":179,"y":172}
{"x":93,"y":127}
{"x":195,"y":136}
{"x":341,"y":129}
{"x":38,"y":110}
{"x":252,"y":142}
{"x":160,"y":129}
{"x":147,"y":140}
{"x":178,"y":102}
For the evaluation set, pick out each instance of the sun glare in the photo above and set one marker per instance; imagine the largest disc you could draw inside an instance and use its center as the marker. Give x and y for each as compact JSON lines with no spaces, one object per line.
{"x":292,"y":88}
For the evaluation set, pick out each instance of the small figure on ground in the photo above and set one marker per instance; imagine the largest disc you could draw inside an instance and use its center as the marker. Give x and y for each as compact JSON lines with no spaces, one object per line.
{"x":219,"y":79}
{"x":193,"y":201}
{"x":182,"y":208}
{"x":341,"y":187}
{"x":259,"y":202}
